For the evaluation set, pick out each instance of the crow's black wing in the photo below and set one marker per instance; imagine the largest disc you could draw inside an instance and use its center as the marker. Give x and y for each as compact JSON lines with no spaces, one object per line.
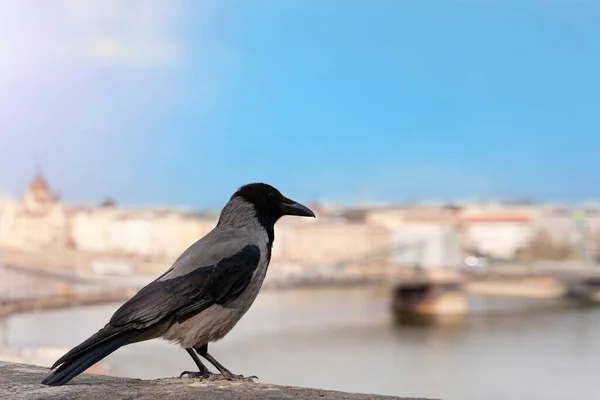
{"x":186,"y":295}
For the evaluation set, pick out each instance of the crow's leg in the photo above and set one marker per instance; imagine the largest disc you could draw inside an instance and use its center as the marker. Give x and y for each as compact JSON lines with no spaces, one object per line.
{"x":202,"y":373}
{"x":203,"y":351}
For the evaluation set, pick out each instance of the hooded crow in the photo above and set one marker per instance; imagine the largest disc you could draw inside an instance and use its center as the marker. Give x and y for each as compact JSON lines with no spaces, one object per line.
{"x":203,"y":295}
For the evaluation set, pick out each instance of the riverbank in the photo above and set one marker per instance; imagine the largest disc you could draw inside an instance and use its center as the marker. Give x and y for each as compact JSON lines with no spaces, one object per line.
{"x":54,"y":302}
{"x":22,"y":381}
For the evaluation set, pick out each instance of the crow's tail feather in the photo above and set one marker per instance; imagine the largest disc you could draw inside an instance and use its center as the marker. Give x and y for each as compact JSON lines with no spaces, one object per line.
{"x":76,"y":365}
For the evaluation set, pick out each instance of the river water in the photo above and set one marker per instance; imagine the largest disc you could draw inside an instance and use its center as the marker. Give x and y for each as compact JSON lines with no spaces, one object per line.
{"x":347,"y":339}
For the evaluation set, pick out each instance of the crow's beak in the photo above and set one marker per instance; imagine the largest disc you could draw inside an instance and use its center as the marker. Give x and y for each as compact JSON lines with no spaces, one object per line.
{"x":290,"y":207}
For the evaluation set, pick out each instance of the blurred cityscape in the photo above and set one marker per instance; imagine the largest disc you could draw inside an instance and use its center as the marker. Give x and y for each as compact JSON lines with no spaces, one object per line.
{"x":356,"y":106}
{"x":38,"y":228}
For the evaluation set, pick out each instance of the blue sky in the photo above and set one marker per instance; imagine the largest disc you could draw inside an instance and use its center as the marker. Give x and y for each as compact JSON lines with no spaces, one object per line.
{"x":161,"y":101}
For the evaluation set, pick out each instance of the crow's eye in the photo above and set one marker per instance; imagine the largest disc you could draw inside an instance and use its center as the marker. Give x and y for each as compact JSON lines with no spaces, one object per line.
{"x":271,"y":195}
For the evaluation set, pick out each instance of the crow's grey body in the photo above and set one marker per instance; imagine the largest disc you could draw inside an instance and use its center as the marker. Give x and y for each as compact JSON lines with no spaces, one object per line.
{"x":217,"y":320}
{"x":204,"y":294}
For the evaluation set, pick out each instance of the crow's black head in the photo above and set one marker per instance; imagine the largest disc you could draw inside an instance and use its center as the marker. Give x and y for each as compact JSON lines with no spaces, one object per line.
{"x":269,"y":203}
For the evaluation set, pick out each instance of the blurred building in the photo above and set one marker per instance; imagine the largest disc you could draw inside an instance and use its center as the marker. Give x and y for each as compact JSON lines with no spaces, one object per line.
{"x":400,"y":216}
{"x":418,"y":235}
{"x":38,"y":219}
{"x":147,"y":233}
{"x":578,"y":228}
{"x":498,"y":230}
{"x":428,"y":246}
{"x":329,"y":241}
{"x":558,"y":223}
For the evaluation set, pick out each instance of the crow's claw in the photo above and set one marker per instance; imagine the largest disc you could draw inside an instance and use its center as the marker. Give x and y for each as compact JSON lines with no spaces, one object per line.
{"x":243,"y":378}
{"x":200,"y":375}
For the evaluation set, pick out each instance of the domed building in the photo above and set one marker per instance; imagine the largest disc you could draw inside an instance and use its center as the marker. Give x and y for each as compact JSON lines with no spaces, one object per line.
{"x":38,"y":196}
{"x":38,"y":219}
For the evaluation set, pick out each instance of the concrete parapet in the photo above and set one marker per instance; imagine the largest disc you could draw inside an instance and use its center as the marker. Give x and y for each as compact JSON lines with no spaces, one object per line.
{"x":22,"y":381}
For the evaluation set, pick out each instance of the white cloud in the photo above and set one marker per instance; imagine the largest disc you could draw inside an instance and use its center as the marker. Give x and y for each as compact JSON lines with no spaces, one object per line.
{"x":139,"y":33}
{"x":114,"y":49}
{"x":136,"y":32}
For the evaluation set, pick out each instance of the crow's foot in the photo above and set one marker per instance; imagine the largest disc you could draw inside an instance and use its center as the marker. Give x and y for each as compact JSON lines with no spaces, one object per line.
{"x":218,"y":377}
{"x":226,"y":374}
{"x":200,"y":375}
{"x":242,"y":378}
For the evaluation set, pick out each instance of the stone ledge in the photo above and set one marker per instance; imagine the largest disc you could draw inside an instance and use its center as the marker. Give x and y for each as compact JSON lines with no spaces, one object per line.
{"x":22,"y":381}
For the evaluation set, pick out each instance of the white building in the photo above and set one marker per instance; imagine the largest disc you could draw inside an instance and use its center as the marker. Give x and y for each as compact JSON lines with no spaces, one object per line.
{"x":428,"y":246}
{"x":38,"y":220}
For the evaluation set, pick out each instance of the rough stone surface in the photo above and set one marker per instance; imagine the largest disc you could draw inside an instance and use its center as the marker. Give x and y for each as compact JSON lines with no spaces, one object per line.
{"x":21,"y":381}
